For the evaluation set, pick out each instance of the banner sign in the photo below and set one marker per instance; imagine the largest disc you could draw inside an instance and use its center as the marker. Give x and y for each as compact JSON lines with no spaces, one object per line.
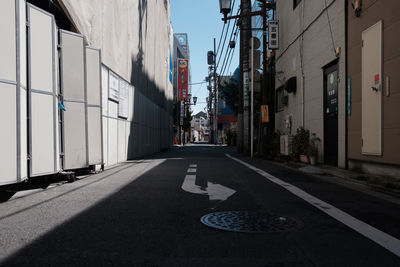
{"x":182,"y":112}
{"x":183,"y":79}
{"x":273,"y":34}
{"x":264,"y":114}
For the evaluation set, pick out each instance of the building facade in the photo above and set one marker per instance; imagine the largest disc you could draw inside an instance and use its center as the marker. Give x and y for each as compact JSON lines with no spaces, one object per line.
{"x":374,"y":87}
{"x":310,"y":79}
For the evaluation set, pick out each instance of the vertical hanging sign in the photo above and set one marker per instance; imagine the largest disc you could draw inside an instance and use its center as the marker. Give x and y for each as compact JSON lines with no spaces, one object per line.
{"x":183,"y":78}
{"x":182,"y":113}
{"x":264,"y":114}
{"x":273,"y":34}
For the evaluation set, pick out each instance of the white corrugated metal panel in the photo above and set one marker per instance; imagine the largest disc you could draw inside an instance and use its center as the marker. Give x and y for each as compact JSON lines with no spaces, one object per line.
{"x":8,"y":45}
{"x":127,"y":138}
{"x":130,"y":102}
{"x":42,"y":93}
{"x":74,"y":140}
{"x":93,"y":73}
{"x":112,"y":109}
{"x":112,"y":141}
{"x":121,"y":141}
{"x":13,"y":142}
{"x":105,"y":140}
{"x":93,"y":78}
{"x":8,"y":134}
{"x":104,"y":88}
{"x":73,"y":90}
{"x":95,"y":132}
{"x":23,"y":150}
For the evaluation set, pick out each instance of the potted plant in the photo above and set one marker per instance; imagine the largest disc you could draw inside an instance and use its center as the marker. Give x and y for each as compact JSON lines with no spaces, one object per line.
{"x":313,"y":148}
{"x":300,"y":144}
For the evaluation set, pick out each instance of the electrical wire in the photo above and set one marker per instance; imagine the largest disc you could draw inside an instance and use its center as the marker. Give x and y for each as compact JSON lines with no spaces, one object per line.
{"x":223,"y":28}
{"x":233,"y":53}
{"x":228,"y":50}
{"x":226,"y":34}
{"x":234,"y":29}
{"x":330,"y":28}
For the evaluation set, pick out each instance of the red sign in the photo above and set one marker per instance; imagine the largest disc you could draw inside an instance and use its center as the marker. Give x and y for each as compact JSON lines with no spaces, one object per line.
{"x":183,"y":79}
{"x":376,"y":79}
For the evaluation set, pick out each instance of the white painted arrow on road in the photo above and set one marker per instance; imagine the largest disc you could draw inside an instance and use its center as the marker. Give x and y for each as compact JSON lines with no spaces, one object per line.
{"x":214,"y":191}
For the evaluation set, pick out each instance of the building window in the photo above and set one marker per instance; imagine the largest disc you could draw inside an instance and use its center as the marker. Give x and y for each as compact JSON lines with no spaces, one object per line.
{"x":296,"y":3}
{"x":281,"y":99}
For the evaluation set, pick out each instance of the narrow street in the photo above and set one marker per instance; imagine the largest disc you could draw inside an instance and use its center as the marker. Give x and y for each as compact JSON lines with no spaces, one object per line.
{"x":148,"y":213}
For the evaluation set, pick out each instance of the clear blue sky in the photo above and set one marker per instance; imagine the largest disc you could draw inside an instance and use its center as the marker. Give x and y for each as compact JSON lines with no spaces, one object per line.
{"x":202,"y":22}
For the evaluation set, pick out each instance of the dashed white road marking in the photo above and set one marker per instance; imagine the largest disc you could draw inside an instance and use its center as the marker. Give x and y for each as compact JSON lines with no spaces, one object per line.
{"x":192,"y":170}
{"x":193,"y":166}
{"x":387,"y":241}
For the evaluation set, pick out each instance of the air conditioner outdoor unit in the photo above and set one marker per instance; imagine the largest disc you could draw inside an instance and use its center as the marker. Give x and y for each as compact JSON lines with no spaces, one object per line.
{"x":285,"y":142}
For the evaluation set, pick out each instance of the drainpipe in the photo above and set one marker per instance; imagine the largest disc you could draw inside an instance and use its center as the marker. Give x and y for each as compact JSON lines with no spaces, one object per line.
{"x":346,"y":26}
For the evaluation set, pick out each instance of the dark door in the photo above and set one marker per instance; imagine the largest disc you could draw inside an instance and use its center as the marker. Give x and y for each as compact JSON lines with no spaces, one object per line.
{"x":331,"y":114}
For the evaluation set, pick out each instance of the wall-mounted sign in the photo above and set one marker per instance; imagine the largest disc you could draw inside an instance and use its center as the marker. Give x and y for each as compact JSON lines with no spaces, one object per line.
{"x":183,"y":79}
{"x":273,"y":34}
{"x":264,"y":114}
{"x":123,"y":99}
{"x":113,"y":86}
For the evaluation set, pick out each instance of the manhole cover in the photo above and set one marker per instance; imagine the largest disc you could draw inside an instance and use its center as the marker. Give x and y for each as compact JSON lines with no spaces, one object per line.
{"x":250,"y":222}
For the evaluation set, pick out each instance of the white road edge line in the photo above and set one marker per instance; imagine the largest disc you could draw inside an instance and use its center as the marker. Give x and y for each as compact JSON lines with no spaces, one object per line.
{"x":381,"y":238}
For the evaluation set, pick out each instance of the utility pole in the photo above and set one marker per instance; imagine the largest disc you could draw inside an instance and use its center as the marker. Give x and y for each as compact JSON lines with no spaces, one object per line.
{"x":265,"y":75}
{"x":216,"y":98}
{"x":209,"y":106}
{"x":239,"y":129}
{"x":245,"y":139}
{"x":245,"y":32}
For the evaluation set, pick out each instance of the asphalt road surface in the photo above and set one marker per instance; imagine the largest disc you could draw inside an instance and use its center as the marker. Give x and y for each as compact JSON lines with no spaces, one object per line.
{"x":147,"y":213}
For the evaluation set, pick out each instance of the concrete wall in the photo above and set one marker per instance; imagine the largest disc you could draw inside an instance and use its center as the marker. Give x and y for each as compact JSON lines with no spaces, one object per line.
{"x":372,"y":12}
{"x":307,"y":44}
{"x":134,"y":37}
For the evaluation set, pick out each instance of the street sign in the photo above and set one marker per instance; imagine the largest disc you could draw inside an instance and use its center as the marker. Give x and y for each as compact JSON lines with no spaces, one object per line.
{"x":273,"y":34}
{"x":264,"y":114}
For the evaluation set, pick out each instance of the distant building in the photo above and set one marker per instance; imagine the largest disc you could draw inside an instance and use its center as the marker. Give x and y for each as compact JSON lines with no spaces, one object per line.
{"x":200,"y":127}
{"x":227,"y":119}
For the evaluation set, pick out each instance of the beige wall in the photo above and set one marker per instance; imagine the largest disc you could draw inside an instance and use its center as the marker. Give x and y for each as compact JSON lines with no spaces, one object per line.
{"x":134,"y":37}
{"x":317,"y":50}
{"x":372,"y":12}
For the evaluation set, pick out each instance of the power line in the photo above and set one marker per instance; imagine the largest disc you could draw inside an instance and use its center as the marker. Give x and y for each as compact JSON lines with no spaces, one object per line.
{"x":223,"y":28}
{"x":226,"y":35}
{"x":229,"y":51}
{"x":231,"y":55}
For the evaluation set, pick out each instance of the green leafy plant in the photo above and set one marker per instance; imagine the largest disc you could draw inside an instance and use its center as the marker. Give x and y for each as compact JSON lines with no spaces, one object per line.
{"x":313,"y":146}
{"x":301,"y":142}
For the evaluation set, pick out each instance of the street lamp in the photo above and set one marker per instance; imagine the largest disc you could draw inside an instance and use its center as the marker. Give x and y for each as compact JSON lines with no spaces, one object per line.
{"x":225,"y":7}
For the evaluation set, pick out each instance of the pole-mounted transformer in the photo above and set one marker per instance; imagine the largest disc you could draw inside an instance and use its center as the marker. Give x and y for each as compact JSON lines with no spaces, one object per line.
{"x":210,"y":58}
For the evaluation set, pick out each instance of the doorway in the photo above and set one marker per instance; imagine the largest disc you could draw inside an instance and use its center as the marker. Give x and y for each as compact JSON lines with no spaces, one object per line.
{"x":331,"y":114}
